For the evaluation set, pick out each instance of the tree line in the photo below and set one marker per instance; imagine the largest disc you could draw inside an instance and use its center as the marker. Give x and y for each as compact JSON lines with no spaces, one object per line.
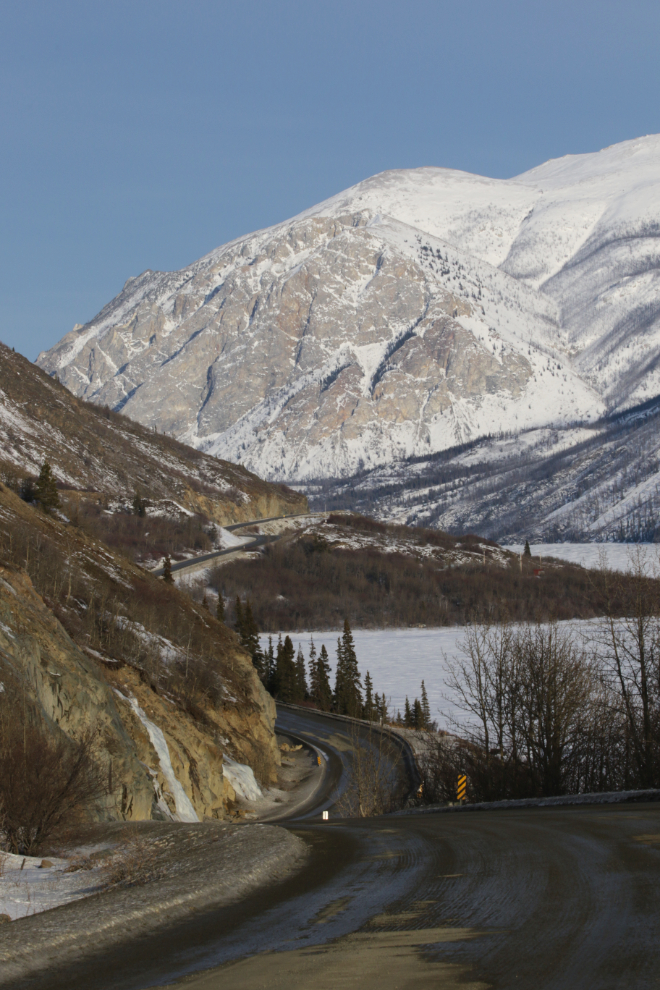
{"x":292,"y":678}
{"x":544,"y":714}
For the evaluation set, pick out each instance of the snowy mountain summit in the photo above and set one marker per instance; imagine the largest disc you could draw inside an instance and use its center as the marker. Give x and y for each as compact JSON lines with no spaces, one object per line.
{"x":419,"y":309}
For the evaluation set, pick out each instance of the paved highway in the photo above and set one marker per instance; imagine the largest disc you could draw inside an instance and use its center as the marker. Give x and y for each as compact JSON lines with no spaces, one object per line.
{"x":535,"y":898}
{"x":190,"y":563}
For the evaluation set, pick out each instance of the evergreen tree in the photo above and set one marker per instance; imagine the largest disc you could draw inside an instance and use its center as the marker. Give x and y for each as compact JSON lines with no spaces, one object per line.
{"x":238,"y":618}
{"x":139,"y":506}
{"x":526,"y":552}
{"x":368,"y":711}
{"x":205,"y":602}
{"x":383,"y":714}
{"x":259,"y":662}
{"x":250,"y":632}
{"x":323,"y":692}
{"x":417,"y":715}
{"x":426,"y":708}
{"x":269,"y":679}
{"x":313,"y":676}
{"x":45,"y":490}
{"x":301,"y":682}
{"x":26,"y":490}
{"x":407,"y":716}
{"x":167,"y":571}
{"x":285,"y":670}
{"x":220,"y":608}
{"x":348,"y":694}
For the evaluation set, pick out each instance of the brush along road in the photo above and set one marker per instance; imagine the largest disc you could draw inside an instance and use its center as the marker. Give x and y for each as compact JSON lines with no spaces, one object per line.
{"x":532,"y":898}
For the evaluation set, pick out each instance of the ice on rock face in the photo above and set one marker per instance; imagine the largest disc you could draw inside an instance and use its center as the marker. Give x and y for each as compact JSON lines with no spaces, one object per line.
{"x":184,"y":809}
{"x":418,"y":310}
{"x":241,"y":778}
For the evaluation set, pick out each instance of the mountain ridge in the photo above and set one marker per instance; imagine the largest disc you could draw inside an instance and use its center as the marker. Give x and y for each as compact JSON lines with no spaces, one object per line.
{"x":416,"y":310}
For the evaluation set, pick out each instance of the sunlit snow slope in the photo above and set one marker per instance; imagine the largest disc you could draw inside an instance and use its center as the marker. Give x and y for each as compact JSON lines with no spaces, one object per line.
{"x":416,"y":310}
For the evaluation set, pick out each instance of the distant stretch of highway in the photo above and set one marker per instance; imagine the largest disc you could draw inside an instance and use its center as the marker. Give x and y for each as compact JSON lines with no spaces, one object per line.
{"x":250,"y":544}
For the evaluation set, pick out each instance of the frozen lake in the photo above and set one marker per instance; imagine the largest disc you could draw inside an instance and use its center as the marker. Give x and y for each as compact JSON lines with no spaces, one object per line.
{"x":399,"y":659}
{"x":617,"y":555}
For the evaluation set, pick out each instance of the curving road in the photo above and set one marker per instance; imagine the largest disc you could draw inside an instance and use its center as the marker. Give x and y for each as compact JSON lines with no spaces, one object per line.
{"x":535,"y":898}
{"x":192,"y":563}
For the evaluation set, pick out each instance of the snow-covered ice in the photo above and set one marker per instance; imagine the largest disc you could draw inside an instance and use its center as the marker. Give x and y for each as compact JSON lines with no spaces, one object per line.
{"x":618,"y":556}
{"x":242,"y":779}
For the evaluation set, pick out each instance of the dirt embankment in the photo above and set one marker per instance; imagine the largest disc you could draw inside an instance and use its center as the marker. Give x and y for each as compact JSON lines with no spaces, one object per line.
{"x":190,"y":868}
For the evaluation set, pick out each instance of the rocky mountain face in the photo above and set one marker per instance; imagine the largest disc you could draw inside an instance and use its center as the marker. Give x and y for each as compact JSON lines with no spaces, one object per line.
{"x":415,"y":311}
{"x":94,"y":451}
{"x":90,"y":641}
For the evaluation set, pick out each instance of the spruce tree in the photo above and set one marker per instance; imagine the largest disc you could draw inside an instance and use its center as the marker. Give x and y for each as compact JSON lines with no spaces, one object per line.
{"x":139,"y":506}
{"x":324,"y":691}
{"x":407,"y":716}
{"x":426,"y":708}
{"x":205,"y":602}
{"x":285,"y":670}
{"x":259,"y":662}
{"x":417,"y":715}
{"x":313,"y":676}
{"x":368,"y":709}
{"x":220,"y":608}
{"x":527,"y":551}
{"x":269,"y":679}
{"x":238,"y":619}
{"x":45,"y":490}
{"x":249,"y":633}
{"x":348,"y":694}
{"x":167,"y":571}
{"x":383,"y":714}
{"x":300,"y":690}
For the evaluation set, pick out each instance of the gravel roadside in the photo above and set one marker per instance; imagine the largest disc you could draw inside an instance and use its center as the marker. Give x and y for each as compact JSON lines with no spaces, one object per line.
{"x":184,"y":867}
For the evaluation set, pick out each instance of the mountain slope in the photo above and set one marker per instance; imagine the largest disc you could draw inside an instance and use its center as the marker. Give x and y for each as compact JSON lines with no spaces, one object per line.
{"x":417,"y":310}
{"x":599,"y":482}
{"x":94,"y":450}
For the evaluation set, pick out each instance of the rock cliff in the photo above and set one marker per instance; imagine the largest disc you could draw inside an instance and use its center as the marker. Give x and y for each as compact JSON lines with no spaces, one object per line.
{"x":93,"y":642}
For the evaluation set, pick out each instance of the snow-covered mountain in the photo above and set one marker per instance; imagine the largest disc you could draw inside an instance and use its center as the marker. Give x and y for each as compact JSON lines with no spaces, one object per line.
{"x":588,"y":483}
{"x":417,"y":310}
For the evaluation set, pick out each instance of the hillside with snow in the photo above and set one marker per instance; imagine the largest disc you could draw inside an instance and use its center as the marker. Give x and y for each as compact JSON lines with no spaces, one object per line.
{"x":415,"y":311}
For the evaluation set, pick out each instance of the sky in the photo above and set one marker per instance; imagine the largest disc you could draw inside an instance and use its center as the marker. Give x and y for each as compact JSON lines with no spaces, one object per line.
{"x":141,"y":135}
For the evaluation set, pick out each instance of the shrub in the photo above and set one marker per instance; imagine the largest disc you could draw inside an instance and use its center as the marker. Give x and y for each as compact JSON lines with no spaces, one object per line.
{"x":48,"y":782}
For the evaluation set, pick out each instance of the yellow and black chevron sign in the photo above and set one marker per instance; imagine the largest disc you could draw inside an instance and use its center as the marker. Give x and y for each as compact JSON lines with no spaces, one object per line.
{"x":460,"y":790}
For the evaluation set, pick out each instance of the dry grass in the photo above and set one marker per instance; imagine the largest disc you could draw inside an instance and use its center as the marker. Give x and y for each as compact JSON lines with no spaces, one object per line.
{"x":134,"y":864}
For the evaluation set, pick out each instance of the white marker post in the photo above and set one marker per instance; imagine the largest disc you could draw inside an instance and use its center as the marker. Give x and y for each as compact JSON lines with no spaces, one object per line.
{"x":326,"y":815}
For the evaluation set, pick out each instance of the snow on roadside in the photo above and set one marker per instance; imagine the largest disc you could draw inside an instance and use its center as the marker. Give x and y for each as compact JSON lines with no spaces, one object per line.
{"x":184,"y":809}
{"x":27,"y":888}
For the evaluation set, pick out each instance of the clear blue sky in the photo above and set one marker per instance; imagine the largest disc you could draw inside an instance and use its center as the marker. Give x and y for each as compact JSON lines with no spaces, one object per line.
{"x":143,"y":134}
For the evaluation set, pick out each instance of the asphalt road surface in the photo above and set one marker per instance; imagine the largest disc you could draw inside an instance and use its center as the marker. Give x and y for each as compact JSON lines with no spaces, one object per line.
{"x":256,"y":541}
{"x":535,"y":898}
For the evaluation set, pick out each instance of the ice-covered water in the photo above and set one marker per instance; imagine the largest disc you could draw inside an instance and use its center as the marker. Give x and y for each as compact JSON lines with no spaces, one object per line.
{"x":617,"y":556}
{"x":399,"y":659}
